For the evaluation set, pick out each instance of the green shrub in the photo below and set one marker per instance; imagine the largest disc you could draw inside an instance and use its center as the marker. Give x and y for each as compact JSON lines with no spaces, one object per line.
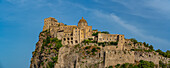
{"x":117,"y":65}
{"x":165,"y":54}
{"x":88,"y":52}
{"x":110,"y":67}
{"x":98,"y":48}
{"x":151,"y":47}
{"x":130,"y":66}
{"x":134,"y":40}
{"x":161,"y":64}
{"x":55,"y":59}
{"x":113,"y":43}
{"x":106,"y":32}
{"x":50,"y":65}
{"x":95,"y":34}
{"x":94,"y":50}
{"x":124,"y":65}
{"x":42,"y":63}
{"x":87,"y":47}
{"x":146,"y":64}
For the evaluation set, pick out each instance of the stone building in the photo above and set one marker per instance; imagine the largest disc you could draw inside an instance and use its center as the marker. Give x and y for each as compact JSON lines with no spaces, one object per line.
{"x":75,"y":34}
{"x":102,"y":37}
{"x":69,"y":34}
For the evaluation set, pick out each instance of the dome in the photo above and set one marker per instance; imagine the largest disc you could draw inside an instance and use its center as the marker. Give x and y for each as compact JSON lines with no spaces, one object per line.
{"x":82,"y":20}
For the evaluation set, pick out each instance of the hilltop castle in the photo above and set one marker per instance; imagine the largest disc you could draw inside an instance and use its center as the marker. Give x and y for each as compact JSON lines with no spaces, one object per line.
{"x":78,"y":46}
{"x":73,"y":35}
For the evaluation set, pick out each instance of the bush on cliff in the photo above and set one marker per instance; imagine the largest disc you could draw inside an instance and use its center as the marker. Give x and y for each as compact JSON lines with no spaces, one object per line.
{"x":134,"y":40}
{"x":141,"y":64}
{"x":95,"y":34}
{"x":165,"y":54}
{"x":146,"y":64}
{"x":161,"y":64}
{"x":105,"y":32}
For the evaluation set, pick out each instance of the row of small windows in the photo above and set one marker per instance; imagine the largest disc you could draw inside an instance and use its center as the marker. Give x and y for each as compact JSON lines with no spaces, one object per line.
{"x":68,"y":39}
{"x":110,"y":35}
{"x":66,"y":27}
{"x":71,"y":42}
{"x":106,"y":39}
{"x":68,"y":34}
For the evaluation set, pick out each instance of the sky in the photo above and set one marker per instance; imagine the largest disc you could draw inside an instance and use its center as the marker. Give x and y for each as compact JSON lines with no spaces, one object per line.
{"x":21,"y":21}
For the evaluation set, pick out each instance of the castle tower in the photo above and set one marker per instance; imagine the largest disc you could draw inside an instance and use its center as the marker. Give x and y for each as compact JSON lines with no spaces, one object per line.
{"x":82,"y":23}
{"x":49,"y":22}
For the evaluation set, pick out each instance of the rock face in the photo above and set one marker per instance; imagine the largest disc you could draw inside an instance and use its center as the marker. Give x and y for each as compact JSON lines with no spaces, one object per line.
{"x":50,"y":53}
{"x":68,"y":58}
{"x":46,"y":52}
{"x":76,"y":57}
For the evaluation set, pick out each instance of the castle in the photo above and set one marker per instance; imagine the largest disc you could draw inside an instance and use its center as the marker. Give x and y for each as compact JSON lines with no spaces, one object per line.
{"x":73,"y":35}
{"x":65,"y":46}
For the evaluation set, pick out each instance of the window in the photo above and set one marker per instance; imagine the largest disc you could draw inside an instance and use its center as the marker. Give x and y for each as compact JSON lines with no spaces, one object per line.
{"x":68,"y":39}
{"x":76,"y":41}
{"x":64,"y":39}
{"x":71,"y":42}
{"x":71,"y":38}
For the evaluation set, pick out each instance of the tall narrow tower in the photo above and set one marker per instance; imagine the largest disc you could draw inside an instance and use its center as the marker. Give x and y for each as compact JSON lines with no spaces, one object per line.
{"x":49,"y":22}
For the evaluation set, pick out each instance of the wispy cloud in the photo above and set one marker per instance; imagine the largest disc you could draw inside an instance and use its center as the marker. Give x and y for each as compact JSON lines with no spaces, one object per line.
{"x":158,"y":42}
{"x":135,"y":7}
{"x":140,"y":33}
{"x":147,"y":8}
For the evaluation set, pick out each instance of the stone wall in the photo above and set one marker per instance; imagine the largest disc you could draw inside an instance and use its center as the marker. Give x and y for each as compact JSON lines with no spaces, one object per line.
{"x":118,"y":57}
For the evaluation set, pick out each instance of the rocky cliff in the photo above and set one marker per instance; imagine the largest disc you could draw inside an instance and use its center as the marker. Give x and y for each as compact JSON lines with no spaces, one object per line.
{"x":50,"y":53}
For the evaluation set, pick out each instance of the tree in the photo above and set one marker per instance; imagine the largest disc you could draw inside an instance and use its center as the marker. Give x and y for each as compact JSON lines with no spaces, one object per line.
{"x":110,"y":66}
{"x":146,"y":64}
{"x":151,"y":47}
{"x":134,"y":40}
{"x":168,"y":53}
{"x":106,"y":32}
{"x":147,"y":45}
{"x":144,"y":43}
{"x":95,"y":34}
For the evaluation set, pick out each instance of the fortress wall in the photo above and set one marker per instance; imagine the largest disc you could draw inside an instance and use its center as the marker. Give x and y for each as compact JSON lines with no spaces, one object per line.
{"x":147,"y":56}
{"x":113,"y":57}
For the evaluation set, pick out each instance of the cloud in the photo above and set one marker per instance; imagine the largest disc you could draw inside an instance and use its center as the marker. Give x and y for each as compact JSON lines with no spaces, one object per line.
{"x":140,"y":33}
{"x":133,"y":29}
{"x":147,"y":8}
{"x":137,"y":8}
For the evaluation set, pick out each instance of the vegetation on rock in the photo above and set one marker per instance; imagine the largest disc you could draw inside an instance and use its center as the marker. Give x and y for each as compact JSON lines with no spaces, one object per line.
{"x":141,"y":64}
{"x":165,"y":54}
{"x":47,"y":50}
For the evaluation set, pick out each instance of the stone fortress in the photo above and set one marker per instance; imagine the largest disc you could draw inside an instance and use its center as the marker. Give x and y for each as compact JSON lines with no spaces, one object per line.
{"x":72,"y":35}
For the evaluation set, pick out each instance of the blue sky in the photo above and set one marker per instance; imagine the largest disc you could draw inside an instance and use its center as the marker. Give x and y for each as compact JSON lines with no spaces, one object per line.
{"x":21,"y":21}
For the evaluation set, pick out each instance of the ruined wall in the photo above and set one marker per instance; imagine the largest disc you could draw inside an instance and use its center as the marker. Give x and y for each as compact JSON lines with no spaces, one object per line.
{"x":114,"y":57}
{"x":150,"y":56}
{"x":118,"y":57}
